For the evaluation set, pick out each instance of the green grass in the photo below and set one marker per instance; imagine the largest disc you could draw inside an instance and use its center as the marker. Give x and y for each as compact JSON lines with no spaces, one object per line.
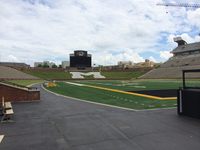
{"x":25,"y":82}
{"x":111,"y":98}
{"x":122,"y":75}
{"x":48,"y":75}
{"x":136,"y":85}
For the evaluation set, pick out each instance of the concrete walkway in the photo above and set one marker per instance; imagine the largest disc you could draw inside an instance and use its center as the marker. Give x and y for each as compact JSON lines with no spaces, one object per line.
{"x":57,"y":123}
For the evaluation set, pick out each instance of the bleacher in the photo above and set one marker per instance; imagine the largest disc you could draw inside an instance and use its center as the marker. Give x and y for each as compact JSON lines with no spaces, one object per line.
{"x":186,"y":56}
{"x":182,"y":61}
{"x":170,"y":72}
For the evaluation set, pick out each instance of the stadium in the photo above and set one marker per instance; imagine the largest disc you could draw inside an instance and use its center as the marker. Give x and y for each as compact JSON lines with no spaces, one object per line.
{"x":138,"y":90}
{"x":156,"y":88}
{"x":113,"y":92}
{"x":125,"y":90}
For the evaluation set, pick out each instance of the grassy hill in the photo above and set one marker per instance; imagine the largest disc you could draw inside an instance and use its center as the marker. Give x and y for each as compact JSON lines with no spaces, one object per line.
{"x":25,"y":82}
{"x":49,"y":75}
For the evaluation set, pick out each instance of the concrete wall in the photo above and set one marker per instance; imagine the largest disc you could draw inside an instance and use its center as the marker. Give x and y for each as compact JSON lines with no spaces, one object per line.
{"x":14,"y":94}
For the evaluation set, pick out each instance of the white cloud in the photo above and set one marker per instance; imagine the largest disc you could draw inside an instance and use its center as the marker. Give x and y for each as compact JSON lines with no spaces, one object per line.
{"x":165,"y":55}
{"x":9,"y":58}
{"x":184,"y":36}
{"x":192,"y":17}
{"x":152,"y":59}
{"x":38,"y":30}
{"x":110,"y":58}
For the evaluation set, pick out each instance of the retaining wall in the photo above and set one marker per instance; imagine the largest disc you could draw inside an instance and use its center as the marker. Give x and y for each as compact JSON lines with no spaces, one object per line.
{"x":18,"y":94}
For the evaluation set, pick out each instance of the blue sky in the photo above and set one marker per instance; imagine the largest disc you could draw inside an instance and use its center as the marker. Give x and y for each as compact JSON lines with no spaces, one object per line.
{"x":111,"y":30}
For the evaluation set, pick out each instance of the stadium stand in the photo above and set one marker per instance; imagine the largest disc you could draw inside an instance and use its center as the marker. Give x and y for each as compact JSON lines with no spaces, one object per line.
{"x":170,"y":72}
{"x":185,"y":56}
{"x":7,"y":73}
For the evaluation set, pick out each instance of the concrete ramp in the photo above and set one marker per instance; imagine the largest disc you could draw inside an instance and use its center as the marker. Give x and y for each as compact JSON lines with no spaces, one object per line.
{"x":81,"y":75}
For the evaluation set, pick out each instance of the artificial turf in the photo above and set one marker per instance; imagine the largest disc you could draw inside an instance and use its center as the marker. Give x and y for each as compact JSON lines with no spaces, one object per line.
{"x":123,"y":75}
{"x":109,"y":97}
{"x":136,"y":85}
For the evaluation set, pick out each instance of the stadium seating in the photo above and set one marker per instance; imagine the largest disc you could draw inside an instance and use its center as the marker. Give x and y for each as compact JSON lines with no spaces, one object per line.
{"x":182,"y":61}
{"x":174,"y":66}
{"x":10,"y":73}
{"x":170,"y":72}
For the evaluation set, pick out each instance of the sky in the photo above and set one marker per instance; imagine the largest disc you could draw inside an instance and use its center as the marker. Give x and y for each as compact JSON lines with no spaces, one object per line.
{"x":111,"y":30}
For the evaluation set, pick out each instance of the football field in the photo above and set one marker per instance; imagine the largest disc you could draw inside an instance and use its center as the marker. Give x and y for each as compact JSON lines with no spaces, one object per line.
{"x":122,"y":93}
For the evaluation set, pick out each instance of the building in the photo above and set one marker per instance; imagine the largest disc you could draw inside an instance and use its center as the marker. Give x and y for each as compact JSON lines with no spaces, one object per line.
{"x":45,"y":64}
{"x":125,"y":64}
{"x":38,"y":64}
{"x":80,"y":59}
{"x":147,"y":63}
{"x":65,"y":64}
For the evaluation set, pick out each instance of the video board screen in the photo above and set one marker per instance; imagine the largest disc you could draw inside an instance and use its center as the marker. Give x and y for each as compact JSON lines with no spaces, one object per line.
{"x":80,"y":61}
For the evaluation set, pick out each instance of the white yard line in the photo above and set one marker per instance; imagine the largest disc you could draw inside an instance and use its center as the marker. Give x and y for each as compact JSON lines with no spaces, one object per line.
{"x":1,"y":138}
{"x":78,"y":84}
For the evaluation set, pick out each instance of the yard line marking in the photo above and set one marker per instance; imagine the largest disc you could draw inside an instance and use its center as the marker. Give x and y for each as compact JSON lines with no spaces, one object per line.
{"x":102,"y":104}
{"x":78,"y":84}
{"x":124,"y":92}
{"x":86,"y":101}
{"x":1,"y":138}
{"x":132,"y":93}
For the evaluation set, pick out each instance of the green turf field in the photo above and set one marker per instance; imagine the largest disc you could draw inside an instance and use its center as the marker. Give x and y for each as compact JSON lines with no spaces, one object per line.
{"x":136,"y":85}
{"x":123,"y":75}
{"x":119,"y":99}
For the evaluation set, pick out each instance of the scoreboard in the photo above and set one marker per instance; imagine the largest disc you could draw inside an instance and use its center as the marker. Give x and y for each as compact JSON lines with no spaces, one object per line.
{"x":80,"y":59}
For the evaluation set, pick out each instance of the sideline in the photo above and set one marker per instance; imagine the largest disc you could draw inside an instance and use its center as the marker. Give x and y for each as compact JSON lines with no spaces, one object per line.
{"x":1,"y":138}
{"x":125,"y":92}
{"x":107,"y":105}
